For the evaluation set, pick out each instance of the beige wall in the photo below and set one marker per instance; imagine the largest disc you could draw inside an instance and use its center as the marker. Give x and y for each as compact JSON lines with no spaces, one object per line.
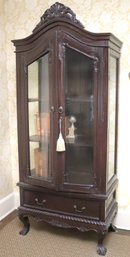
{"x":17,"y":20}
{"x":6,"y":180}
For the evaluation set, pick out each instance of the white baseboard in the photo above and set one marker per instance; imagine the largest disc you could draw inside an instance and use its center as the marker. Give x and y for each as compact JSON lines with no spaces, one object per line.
{"x":122,"y":220}
{"x":11,"y":202}
{"x":8,"y":204}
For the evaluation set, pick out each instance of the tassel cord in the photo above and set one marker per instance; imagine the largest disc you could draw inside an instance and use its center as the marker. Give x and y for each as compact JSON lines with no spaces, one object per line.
{"x":60,"y":120}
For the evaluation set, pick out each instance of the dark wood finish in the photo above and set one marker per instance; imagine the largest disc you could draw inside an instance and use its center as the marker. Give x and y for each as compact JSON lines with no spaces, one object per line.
{"x":26,"y":223}
{"x":89,"y":206}
{"x":61,"y":204}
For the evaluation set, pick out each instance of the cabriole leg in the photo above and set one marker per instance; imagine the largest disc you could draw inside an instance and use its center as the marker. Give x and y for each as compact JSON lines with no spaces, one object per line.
{"x":101,"y":250}
{"x":26,"y":223}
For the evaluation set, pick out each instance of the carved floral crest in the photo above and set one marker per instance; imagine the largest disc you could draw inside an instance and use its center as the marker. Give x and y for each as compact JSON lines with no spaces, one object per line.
{"x":58,"y":10}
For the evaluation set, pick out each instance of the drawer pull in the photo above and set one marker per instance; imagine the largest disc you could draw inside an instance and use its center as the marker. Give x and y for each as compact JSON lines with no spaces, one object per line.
{"x":40,"y":203}
{"x":77,"y":210}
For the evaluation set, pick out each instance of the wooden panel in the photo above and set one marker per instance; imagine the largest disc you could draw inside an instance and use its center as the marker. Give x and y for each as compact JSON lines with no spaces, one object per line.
{"x":82,"y":207}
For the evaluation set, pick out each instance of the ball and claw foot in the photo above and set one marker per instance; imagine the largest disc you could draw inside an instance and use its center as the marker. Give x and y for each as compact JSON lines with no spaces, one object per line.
{"x":101,"y":250}
{"x":26,"y":227}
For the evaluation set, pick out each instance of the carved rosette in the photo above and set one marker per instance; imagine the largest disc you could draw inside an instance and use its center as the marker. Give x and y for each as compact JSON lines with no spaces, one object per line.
{"x":57,"y":11}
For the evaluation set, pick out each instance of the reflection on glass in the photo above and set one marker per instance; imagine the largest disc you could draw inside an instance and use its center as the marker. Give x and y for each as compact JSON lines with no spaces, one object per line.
{"x":39,"y":117}
{"x":111,"y":117}
{"x":79,"y":115}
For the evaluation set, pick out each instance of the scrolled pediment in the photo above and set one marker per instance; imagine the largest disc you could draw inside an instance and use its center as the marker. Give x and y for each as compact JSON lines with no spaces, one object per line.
{"x":58,"y":11}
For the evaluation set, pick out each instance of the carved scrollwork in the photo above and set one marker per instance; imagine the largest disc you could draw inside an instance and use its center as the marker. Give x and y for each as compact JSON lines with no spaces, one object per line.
{"x":59,"y":224}
{"x":64,"y":218}
{"x":58,"y":10}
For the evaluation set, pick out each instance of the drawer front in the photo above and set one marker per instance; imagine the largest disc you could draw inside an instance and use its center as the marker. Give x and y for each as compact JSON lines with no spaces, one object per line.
{"x":62,"y":204}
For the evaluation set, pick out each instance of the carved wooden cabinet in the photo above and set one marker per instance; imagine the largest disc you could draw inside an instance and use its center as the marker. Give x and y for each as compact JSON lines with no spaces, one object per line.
{"x":67,"y":99}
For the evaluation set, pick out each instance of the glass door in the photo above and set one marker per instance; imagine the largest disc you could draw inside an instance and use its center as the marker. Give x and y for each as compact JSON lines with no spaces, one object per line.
{"x":112,"y":119}
{"x":39,"y":119}
{"x":79,"y":83}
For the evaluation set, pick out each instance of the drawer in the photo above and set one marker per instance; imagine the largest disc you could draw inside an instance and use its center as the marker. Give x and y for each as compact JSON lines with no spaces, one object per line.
{"x":62,"y":204}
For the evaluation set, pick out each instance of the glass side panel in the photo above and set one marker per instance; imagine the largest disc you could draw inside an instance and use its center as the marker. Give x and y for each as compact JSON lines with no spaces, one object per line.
{"x":111,"y":118}
{"x":79,"y":116}
{"x":39,"y":118}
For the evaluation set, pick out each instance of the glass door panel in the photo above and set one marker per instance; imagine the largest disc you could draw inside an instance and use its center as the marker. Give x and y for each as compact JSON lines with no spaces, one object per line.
{"x":79,"y":117}
{"x":39,"y":118}
{"x":111,"y":117}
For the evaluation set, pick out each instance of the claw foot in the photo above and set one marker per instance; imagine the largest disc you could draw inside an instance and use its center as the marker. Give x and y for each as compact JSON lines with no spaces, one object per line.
{"x":101,"y":250}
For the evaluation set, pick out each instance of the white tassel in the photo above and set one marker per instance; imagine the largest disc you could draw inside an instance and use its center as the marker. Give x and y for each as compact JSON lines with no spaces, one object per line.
{"x":60,"y":145}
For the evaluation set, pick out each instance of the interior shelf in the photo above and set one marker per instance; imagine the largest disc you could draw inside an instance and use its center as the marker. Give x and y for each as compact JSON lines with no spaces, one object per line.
{"x":80,"y":99}
{"x":33,"y":100}
{"x":37,"y":138}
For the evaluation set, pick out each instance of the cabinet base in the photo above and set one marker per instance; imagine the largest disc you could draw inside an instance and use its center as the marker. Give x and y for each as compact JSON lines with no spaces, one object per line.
{"x":67,"y":221}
